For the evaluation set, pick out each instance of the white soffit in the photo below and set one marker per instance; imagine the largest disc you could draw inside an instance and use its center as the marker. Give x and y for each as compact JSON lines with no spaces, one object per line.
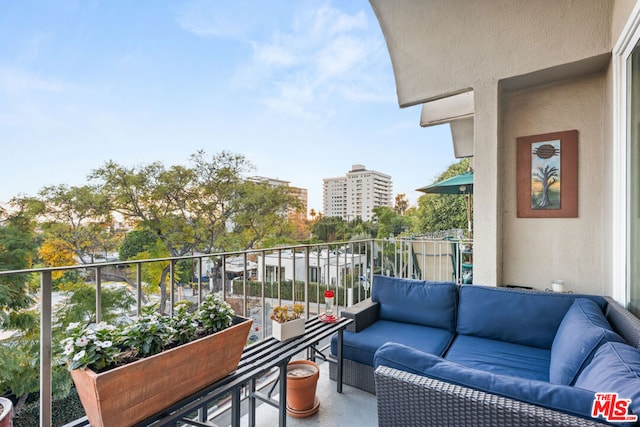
{"x":462,"y":136}
{"x":444,"y":110}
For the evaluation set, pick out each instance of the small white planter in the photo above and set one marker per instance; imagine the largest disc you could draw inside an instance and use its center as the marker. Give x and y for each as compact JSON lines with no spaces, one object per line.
{"x":286,"y":331}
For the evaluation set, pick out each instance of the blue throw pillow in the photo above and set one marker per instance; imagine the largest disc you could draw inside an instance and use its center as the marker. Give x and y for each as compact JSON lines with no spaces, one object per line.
{"x":583,"y":329}
{"x":615,"y":368}
{"x":421,"y":302}
{"x":570,"y":400}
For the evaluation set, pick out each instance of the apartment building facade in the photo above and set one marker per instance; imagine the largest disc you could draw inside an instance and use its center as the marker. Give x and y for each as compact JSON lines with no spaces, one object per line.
{"x":300,"y":193}
{"x":356,"y":194}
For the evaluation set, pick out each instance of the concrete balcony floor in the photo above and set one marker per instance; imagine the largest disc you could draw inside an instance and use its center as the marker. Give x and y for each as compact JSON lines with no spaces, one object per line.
{"x":352,"y":408}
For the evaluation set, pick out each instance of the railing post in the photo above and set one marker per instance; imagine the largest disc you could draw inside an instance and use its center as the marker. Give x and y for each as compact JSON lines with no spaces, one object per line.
{"x":200,"y":281}
{"x":139,"y":288}
{"x":245,"y":300}
{"x":223,"y":278}
{"x":172,"y":284}
{"x":279,"y":274}
{"x":98,"y":295}
{"x":307,"y":281}
{"x":293,"y":275}
{"x":45,"y":348}
{"x":263,"y":304}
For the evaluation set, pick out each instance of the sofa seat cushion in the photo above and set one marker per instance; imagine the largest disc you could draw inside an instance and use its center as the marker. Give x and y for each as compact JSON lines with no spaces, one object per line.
{"x":362,"y":346}
{"x":615,"y":367}
{"x":500,"y":357}
{"x":570,"y":400}
{"x":512,"y":315}
{"x":416,"y":301}
{"x":583,"y":329}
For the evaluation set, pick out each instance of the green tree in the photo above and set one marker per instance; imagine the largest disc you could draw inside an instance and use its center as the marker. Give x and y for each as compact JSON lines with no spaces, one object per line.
{"x":79,"y":216}
{"x":442,"y":211}
{"x":79,"y":304}
{"x":134,"y":242}
{"x":17,"y":251}
{"x":19,"y":354}
{"x":261,"y":212}
{"x":330,"y":229}
{"x":401,"y":204}
{"x":189,"y":208}
{"x":389,"y":222}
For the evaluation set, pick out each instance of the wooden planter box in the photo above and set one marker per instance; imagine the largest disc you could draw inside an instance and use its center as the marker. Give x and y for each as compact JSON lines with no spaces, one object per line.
{"x":126,"y":395}
{"x":288,"y":330}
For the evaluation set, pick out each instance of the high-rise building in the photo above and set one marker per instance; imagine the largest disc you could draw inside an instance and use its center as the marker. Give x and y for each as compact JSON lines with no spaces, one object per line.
{"x":356,"y":194}
{"x":300,"y":193}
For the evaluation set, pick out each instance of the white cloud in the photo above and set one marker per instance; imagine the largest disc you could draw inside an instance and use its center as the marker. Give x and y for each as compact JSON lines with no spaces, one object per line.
{"x":273,"y":55}
{"x":324,"y":58}
{"x":308,"y":58}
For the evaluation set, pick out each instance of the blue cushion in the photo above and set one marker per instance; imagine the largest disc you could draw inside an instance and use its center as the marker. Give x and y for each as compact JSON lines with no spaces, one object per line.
{"x":416,"y":301}
{"x":562,"y":398}
{"x":583,"y":329}
{"x":362,"y":346}
{"x":521,"y":317}
{"x":500,"y":357}
{"x":615,"y":368}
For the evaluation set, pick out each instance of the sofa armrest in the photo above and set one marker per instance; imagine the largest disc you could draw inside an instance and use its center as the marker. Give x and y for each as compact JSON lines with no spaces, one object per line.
{"x":406,"y":399}
{"x":364,"y":314}
{"x":623,"y":322}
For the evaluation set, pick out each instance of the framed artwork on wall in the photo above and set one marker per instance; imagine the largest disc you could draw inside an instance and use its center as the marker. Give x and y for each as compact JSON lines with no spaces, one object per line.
{"x":547,"y":175}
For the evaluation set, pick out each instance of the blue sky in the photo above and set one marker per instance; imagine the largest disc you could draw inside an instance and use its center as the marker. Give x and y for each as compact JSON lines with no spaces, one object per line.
{"x":303,"y":89}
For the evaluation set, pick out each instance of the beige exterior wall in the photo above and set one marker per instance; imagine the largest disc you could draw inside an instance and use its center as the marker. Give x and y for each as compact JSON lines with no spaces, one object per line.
{"x":537,"y":250}
{"x":621,"y":11}
{"x":535,"y":66}
{"x":441,"y":47}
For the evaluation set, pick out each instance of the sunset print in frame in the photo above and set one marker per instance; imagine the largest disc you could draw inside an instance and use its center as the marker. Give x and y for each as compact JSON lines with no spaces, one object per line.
{"x":547,"y":175}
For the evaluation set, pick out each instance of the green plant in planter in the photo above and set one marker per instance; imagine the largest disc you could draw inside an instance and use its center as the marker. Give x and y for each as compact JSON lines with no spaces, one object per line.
{"x":281,"y":313}
{"x":183,"y":322}
{"x":101,"y":347}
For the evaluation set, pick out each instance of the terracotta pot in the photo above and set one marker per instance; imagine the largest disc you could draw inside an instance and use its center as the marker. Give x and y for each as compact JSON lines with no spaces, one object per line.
{"x":6,"y":412}
{"x":138,"y":390}
{"x":302,"y":378}
{"x":287,"y":330}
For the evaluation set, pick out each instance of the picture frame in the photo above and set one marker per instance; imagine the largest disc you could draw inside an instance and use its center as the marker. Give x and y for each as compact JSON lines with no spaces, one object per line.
{"x":547,"y":175}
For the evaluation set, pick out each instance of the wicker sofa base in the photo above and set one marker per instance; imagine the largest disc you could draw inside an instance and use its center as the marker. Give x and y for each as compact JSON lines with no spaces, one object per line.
{"x":410,"y":400}
{"x":354,"y":374}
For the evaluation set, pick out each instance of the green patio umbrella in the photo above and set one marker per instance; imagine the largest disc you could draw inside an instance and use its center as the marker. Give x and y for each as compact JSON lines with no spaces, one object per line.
{"x":459,"y":184}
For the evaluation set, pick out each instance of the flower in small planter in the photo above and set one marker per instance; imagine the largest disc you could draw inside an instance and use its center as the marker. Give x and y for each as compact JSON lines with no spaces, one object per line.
{"x":101,"y":347}
{"x":281,"y":313}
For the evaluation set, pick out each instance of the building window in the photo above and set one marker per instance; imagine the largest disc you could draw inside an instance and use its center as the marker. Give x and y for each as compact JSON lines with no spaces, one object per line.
{"x":313,"y":274}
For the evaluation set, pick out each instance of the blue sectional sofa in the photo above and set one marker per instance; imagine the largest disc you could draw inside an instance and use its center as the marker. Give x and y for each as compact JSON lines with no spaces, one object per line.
{"x":437,"y":353}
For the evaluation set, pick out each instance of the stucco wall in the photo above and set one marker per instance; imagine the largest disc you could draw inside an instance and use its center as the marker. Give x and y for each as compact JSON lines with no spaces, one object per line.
{"x":621,"y":11}
{"x":440,"y":47}
{"x":535,"y":251}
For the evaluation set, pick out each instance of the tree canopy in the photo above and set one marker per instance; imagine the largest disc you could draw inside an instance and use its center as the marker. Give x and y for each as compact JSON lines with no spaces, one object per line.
{"x":205,"y":207}
{"x":437,"y":212}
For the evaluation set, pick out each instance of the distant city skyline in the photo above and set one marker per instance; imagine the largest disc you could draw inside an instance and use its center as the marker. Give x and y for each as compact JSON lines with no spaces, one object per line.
{"x":302,"y":89}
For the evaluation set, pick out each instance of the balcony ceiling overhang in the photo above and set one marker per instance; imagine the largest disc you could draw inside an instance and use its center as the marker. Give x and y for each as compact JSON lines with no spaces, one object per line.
{"x":456,"y":110}
{"x":440,"y":48}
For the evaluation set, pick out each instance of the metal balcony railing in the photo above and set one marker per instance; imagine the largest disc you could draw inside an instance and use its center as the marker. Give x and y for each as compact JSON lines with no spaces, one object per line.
{"x":254,"y":281}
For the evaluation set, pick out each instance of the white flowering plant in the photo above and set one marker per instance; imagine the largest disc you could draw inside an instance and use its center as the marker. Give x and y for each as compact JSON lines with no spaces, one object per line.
{"x":91,"y":345}
{"x":101,"y":347}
